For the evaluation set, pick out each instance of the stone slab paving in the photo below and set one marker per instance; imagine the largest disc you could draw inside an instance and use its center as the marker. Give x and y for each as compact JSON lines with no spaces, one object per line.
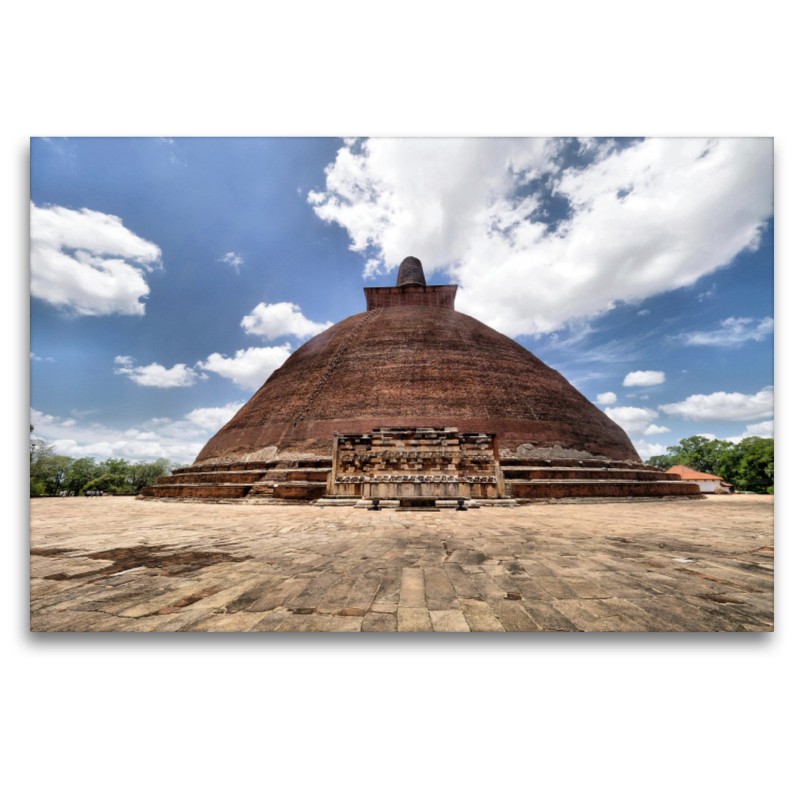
{"x":117,"y":564}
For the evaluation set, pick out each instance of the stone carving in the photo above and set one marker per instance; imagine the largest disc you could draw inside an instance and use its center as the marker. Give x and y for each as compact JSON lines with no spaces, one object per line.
{"x":416,"y":462}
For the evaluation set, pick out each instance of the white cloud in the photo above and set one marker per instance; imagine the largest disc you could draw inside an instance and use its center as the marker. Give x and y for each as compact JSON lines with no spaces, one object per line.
{"x":232,"y":259}
{"x":371,"y":269}
{"x":213,"y":418}
{"x":249,"y":368}
{"x":644,"y":312}
{"x":281,"y":319}
{"x":606,"y":399}
{"x":159,"y":420}
{"x":731,"y":332}
{"x":648,"y":450}
{"x":651,"y":430}
{"x":177,"y":442}
{"x":643,"y":378}
{"x":764,"y":430}
{"x":654,"y":216}
{"x":632,"y":420}
{"x":705,"y":295}
{"x":38,"y":418}
{"x":156,"y":374}
{"x":34,"y":357}
{"x":732,"y":406}
{"x":88,"y":262}
{"x":128,"y":449}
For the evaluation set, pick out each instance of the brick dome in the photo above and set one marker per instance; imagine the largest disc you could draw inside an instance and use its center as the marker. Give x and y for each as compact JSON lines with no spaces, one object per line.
{"x":411,"y":359}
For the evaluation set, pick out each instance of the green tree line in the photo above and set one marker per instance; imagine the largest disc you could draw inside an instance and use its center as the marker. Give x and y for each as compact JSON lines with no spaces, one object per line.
{"x":52,"y":474}
{"x":749,"y":465}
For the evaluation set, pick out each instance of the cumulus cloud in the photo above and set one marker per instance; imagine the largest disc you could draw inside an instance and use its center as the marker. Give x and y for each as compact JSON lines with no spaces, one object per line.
{"x":249,"y":368}
{"x":643,"y":313}
{"x":156,"y":374}
{"x":177,"y":442}
{"x":643,"y":219}
{"x":34,"y":357}
{"x":643,"y":378}
{"x":764,"y":430}
{"x":281,"y":319}
{"x":731,"y":406}
{"x":731,"y":332}
{"x":632,"y":420}
{"x":88,"y":262}
{"x":650,"y":430}
{"x":648,"y":450}
{"x":606,"y":399}
{"x":213,"y":418}
{"x":131,"y":450}
{"x":233,"y":260}
{"x":38,"y":418}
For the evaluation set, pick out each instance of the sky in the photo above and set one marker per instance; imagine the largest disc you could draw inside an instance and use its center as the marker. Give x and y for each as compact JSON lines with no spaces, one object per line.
{"x":170,"y":277}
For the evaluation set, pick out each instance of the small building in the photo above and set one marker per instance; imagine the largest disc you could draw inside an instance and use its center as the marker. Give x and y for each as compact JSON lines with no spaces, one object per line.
{"x":709,"y":484}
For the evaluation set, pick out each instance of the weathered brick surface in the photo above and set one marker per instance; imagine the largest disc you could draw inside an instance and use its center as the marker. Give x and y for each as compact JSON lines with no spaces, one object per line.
{"x":397,"y":296}
{"x":238,"y":476}
{"x":415,"y":365}
{"x":554,"y":489}
{"x":199,"y":491}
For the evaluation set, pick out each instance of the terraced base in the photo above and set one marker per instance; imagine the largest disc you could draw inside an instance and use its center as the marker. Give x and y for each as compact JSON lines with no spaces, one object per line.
{"x":526,"y":480}
{"x":537,"y":479}
{"x":295,"y":481}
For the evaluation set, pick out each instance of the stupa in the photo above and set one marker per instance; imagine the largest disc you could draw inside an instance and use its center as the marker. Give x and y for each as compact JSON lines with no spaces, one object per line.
{"x":413,"y":399}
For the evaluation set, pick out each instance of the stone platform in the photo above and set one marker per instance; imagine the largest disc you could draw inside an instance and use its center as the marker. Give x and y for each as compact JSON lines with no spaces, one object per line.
{"x":442,"y":462}
{"x":112,"y":564}
{"x":298,"y":480}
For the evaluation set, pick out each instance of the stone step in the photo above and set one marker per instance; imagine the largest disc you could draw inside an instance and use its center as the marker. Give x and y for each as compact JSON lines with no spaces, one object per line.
{"x":585,"y":473}
{"x":584,"y":488}
{"x":306,"y":474}
{"x":208,"y":491}
{"x":239,"y":476}
{"x":299,"y":491}
{"x":242,"y":466}
{"x":592,"y":463}
{"x":295,"y":463}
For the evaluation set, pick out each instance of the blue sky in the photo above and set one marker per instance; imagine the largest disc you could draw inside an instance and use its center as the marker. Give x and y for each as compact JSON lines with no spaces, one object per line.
{"x":171,"y":276}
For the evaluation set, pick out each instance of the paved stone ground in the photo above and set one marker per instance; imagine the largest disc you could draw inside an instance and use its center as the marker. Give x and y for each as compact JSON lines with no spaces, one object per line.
{"x":113,"y":564}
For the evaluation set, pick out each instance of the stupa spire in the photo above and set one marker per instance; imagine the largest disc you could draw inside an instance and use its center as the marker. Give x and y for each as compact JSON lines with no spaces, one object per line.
{"x":411,"y":273}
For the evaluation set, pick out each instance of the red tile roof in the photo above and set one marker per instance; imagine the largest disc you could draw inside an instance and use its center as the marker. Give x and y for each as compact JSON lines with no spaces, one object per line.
{"x":689,"y":474}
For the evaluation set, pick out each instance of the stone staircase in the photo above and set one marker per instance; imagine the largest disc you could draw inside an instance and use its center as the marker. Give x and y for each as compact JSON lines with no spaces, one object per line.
{"x":537,"y":479}
{"x":300,"y":480}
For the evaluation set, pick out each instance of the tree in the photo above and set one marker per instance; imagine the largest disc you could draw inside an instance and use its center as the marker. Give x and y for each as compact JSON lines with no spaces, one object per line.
{"x":143,"y":474}
{"x":665,"y":462}
{"x":750,"y":465}
{"x":115,"y":466}
{"x":41,"y":455}
{"x":699,"y":453}
{"x":81,"y":472}
{"x":109,"y":483}
{"x":59,"y":467}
